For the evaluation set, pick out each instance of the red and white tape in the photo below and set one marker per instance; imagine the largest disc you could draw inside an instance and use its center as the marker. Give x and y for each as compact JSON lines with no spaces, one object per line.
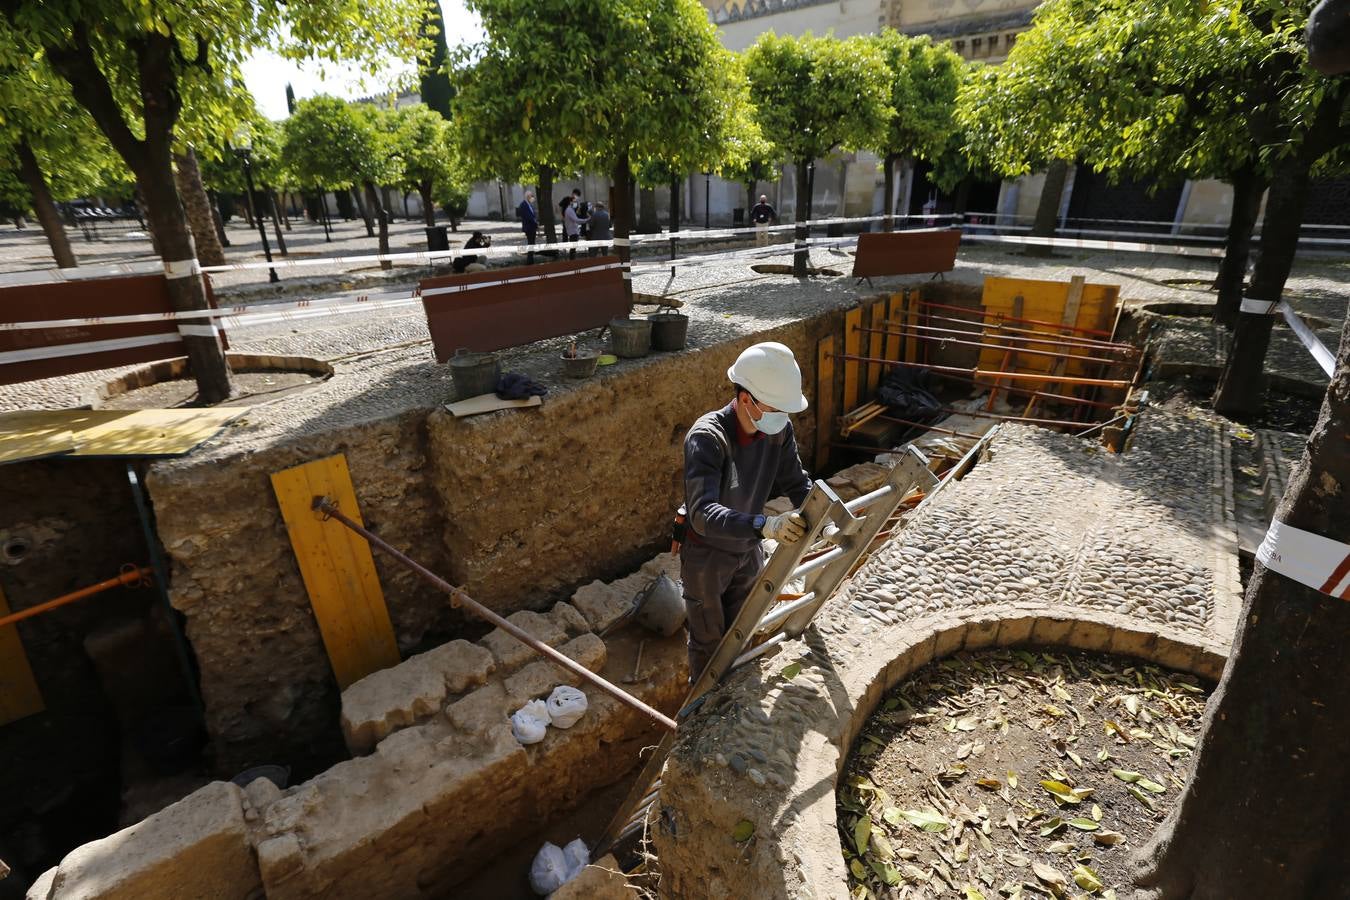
{"x":1310,"y":559}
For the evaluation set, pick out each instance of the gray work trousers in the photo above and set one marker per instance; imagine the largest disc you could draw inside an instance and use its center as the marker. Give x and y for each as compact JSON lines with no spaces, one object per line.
{"x":716,"y":583}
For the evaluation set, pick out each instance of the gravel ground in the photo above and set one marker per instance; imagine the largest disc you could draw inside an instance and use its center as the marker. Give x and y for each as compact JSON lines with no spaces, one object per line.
{"x":384,"y":362}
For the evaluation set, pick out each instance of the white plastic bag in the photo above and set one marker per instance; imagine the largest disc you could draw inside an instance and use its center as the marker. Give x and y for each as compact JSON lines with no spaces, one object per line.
{"x":565,"y":706}
{"x":548,"y":872}
{"x":530,"y":722}
{"x":552,"y":867}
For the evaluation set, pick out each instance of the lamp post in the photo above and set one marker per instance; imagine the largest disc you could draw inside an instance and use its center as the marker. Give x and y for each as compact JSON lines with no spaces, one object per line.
{"x":243,"y":145}
{"x":707,"y":197}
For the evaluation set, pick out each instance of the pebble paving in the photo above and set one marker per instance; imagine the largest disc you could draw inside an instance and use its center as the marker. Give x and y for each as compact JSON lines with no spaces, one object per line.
{"x":1047,"y":519}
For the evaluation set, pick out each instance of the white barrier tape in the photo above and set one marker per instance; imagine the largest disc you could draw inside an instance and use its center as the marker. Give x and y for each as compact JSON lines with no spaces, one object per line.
{"x":1259,"y":307}
{"x":1310,"y":559}
{"x":786,"y":248}
{"x":708,"y":234}
{"x":206,"y":331}
{"x":256,"y":319}
{"x":1083,"y":244}
{"x":621,"y":242}
{"x":1320,"y":354}
{"x":181,"y":268}
{"x":85,"y":347}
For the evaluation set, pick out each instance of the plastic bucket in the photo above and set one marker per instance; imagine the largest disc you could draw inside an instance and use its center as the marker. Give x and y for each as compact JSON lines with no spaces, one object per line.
{"x":630,"y":338}
{"x":581,"y":366}
{"x":669,"y":330}
{"x":474,"y":373}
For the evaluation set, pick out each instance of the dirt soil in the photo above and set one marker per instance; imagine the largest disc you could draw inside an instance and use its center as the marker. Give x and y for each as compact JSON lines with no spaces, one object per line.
{"x":1279,"y":411}
{"x":249,"y":387}
{"x":1015,"y":774}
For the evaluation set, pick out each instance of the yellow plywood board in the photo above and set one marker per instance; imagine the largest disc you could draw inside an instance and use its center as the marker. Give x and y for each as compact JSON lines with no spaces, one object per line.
{"x":877,"y":323}
{"x":852,"y":347}
{"x":19,"y":694}
{"x":29,"y":434}
{"x":338,"y":569}
{"x":1047,"y":301}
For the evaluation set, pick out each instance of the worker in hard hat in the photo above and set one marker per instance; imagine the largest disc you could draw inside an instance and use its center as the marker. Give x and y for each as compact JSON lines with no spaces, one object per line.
{"x":735,"y":460}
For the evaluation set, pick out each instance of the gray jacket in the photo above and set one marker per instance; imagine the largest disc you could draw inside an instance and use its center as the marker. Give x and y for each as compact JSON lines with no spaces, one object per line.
{"x":599,"y":226}
{"x":723,"y":496}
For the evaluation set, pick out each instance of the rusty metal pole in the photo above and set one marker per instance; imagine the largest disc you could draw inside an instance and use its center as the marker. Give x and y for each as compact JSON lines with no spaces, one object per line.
{"x":457,"y":596}
{"x":130,"y":575}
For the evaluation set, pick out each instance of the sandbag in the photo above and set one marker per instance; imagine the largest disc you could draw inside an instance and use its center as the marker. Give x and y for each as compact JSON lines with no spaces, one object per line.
{"x":548,"y":872}
{"x":566,"y":705}
{"x":530,"y":722}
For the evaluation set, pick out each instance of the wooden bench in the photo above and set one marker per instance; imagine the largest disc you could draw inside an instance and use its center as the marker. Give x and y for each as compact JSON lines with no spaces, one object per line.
{"x":500,"y":308}
{"x":906,"y":252}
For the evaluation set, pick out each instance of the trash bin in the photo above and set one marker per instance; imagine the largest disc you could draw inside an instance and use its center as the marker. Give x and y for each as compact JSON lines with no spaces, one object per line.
{"x":438,"y":238}
{"x":835,"y":229}
{"x":738,"y":216}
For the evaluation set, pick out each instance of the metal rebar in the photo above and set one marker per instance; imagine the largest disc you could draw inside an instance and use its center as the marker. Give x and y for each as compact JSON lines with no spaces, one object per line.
{"x":906,"y":332}
{"x":1027,"y":376}
{"x":130,"y":575}
{"x":1025,"y":392}
{"x":984,"y":314}
{"x":1063,"y":339}
{"x":912,"y":424}
{"x":458,"y":596}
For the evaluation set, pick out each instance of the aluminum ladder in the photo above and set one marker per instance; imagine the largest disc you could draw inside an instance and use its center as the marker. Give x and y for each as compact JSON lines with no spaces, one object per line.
{"x":829,"y":519}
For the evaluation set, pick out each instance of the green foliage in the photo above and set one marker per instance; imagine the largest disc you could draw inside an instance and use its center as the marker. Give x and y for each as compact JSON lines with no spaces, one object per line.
{"x":579,"y":83}
{"x":1157,"y":89}
{"x":814,"y":94}
{"x":433,"y":79}
{"x":36,"y":107}
{"x":327,"y":143}
{"x":924,"y":79}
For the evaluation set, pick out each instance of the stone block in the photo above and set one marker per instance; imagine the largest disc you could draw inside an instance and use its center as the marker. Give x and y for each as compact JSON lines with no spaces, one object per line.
{"x":481,"y":710}
{"x":1174,"y":654}
{"x":198,"y":847}
{"x":279,"y":858}
{"x":867,"y":476}
{"x":948,"y":641}
{"x":601,"y":604}
{"x":414,"y":690}
{"x":1131,"y":642}
{"x":843,"y":487}
{"x":981,"y":633}
{"x":540,"y":677}
{"x":570,"y":619}
{"x":668,"y":563}
{"x":1089,"y":634}
{"x":41,"y":889}
{"x":1050,"y":631}
{"x":601,"y":880}
{"x":1015,"y":630}
{"x":510,"y":653}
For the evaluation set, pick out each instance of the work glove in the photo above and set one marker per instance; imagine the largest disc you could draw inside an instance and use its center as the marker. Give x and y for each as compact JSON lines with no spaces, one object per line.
{"x":788,"y":527}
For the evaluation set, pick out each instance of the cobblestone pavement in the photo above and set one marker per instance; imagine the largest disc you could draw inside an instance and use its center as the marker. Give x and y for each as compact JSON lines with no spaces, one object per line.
{"x":1051,"y":520}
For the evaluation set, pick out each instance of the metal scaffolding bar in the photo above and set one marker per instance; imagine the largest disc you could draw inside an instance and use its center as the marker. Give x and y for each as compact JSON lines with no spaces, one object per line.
{"x":1026,"y":376}
{"x":457,"y":597}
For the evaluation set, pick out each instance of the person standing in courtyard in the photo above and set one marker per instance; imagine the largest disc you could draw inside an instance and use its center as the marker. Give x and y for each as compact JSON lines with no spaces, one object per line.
{"x":762,"y":214}
{"x":600,"y":226}
{"x":529,"y":222}
{"x":736,"y":459}
{"x":572,"y":221}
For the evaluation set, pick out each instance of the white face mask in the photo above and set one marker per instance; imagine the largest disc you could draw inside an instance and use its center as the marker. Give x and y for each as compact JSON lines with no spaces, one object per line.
{"x":769,"y":422}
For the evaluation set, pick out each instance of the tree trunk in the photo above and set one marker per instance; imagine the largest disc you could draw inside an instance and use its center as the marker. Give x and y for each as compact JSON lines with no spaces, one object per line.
{"x":1242,"y":385}
{"x":285,"y":202}
{"x":151,"y":160}
{"x":276,"y":220}
{"x":546,"y":217}
{"x":962,"y":200}
{"x":647,"y":223}
{"x":248,"y":210}
{"x":889,"y":201}
{"x":1247,"y":191}
{"x":217,"y":220}
{"x":374,"y":200}
{"x":623,"y":220}
{"x":406,"y":213}
{"x":386,"y":202}
{"x":1266,"y":796}
{"x":45,"y":207}
{"x":1047,"y":209}
{"x":364,"y":209}
{"x":803,"y":214}
{"x":428,"y":205}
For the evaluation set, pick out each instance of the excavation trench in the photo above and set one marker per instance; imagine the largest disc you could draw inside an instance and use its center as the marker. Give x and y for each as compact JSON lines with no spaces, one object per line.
{"x":410,"y":780}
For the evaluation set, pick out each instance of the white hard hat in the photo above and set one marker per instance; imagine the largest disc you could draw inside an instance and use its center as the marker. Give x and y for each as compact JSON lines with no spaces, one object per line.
{"x":769,"y":372}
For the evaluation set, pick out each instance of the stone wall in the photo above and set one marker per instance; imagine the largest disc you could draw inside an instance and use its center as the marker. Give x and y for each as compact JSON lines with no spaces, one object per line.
{"x":517,"y":507}
{"x":439,"y":787}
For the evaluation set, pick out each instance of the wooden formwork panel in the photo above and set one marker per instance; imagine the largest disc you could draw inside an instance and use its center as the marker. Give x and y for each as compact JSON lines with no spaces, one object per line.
{"x":338,"y":569}
{"x":875,"y":344}
{"x":19,"y":693}
{"x":825,"y":426}
{"x":1093,"y":307}
{"x":852,"y":347}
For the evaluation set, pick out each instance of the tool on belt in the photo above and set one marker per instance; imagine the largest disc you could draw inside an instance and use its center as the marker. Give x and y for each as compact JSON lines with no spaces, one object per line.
{"x":679,"y":529}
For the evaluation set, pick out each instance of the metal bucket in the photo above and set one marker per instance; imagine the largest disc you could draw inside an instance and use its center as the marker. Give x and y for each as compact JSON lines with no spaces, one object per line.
{"x":580,"y":366}
{"x":630,"y":338}
{"x":474,"y":373}
{"x":669,"y":330}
